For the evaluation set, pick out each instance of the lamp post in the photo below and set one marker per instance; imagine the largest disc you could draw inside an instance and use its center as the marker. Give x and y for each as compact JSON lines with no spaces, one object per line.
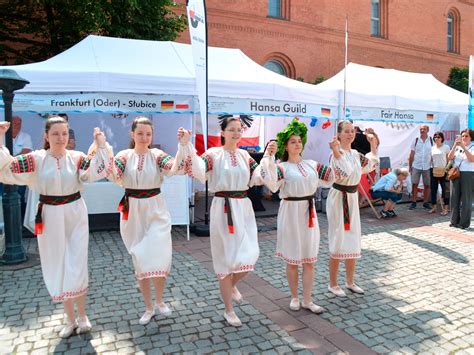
{"x":15,"y":253}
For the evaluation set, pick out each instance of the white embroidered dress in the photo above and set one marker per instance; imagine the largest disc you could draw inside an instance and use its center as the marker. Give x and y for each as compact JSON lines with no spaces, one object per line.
{"x":297,"y":237}
{"x":230,"y":171}
{"x":63,"y":244}
{"x":147,"y":231}
{"x":346,"y":244}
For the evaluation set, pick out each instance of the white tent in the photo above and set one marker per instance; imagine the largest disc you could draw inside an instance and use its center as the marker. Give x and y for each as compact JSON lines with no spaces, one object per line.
{"x":415,"y":97}
{"x":124,"y":66}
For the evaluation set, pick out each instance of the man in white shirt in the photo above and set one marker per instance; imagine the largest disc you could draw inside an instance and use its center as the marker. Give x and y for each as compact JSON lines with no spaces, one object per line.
{"x":21,"y":140}
{"x":419,"y":163}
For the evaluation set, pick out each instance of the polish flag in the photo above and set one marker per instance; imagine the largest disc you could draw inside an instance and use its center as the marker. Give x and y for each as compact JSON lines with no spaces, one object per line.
{"x":250,"y":137}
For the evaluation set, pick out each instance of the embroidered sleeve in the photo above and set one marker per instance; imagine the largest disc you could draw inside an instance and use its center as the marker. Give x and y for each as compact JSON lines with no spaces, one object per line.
{"x":363,"y":161}
{"x":207,"y":161}
{"x":280,"y":172}
{"x":165,"y":162}
{"x":119,"y":165}
{"x":24,"y":163}
{"x":324,"y":172}
{"x":84,"y":163}
{"x":252,"y":165}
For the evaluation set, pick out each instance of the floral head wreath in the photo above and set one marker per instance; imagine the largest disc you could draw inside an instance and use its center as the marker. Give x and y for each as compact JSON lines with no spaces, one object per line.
{"x":294,"y":128}
{"x":244,"y":119}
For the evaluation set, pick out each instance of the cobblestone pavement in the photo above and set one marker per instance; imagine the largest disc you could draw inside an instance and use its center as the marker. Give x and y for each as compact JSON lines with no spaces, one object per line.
{"x":417,"y":273}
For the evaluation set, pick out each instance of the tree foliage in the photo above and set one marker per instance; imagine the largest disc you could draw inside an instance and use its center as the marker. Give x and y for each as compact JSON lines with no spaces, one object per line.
{"x":459,"y":79}
{"x":34,"y":30}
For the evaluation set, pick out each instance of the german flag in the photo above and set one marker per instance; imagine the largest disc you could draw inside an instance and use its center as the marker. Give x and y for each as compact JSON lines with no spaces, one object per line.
{"x":166,"y":105}
{"x":182,"y":106}
{"x":325,"y":111}
{"x":429,"y":116}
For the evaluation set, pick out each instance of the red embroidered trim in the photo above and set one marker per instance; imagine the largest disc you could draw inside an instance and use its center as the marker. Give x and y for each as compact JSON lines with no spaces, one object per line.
{"x":66,"y":295}
{"x":280,"y":172}
{"x":233,"y":158}
{"x":207,"y":160}
{"x":243,"y":268}
{"x":296,"y":262}
{"x":345,"y":255}
{"x":302,"y":170}
{"x":120,"y":163}
{"x":149,"y":274}
{"x":141,"y":161}
{"x":188,"y":166}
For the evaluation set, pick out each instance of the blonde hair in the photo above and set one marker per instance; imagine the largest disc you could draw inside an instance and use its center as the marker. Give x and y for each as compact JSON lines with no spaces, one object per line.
{"x":401,"y":171}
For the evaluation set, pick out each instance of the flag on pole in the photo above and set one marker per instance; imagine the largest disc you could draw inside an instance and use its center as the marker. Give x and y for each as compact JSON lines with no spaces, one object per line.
{"x":470,"y":114}
{"x":198,"y":32}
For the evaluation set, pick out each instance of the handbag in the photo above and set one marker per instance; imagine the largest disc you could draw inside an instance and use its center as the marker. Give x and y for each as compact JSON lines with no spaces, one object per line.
{"x":454,"y":173}
{"x":439,"y":172}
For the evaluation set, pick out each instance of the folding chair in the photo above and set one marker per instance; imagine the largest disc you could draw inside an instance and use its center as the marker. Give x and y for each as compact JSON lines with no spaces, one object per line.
{"x":366,"y":196}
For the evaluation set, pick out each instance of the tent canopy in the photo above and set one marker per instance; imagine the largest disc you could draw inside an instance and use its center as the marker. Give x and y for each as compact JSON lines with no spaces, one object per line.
{"x":116,"y":65}
{"x":394,"y":89}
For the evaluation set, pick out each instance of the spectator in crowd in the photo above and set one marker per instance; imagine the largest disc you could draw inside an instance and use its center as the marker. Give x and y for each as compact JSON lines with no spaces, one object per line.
{"x":462,"y":153}
{"x":419,"y":163}
{"x":439,"y":158}
{"x":21,"y":141}
{"x":389,"y":188}
{"x":71,"y":144}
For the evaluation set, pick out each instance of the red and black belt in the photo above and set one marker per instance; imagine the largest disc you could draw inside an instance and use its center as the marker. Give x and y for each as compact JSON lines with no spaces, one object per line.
{"x":53,"y":201}
{"x":345,"y":189}
{"x":310,"y":200}
{"x":135,"y":193}
{"x":226,"y":195}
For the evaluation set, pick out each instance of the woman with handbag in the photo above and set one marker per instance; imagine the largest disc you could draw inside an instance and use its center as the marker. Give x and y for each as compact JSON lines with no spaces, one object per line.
{"x":439,"y":160}
{"x":462,"y":177}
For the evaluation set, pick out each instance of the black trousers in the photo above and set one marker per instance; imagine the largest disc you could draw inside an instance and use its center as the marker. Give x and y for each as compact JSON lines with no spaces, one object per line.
{"x":434,"y":182}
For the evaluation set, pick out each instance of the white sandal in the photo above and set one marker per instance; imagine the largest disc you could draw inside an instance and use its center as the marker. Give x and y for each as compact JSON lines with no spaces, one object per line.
{"x":232,"y":319}
{"x":163,"y":309}
{"x":295,"y":304}
{"x":313,"y":307}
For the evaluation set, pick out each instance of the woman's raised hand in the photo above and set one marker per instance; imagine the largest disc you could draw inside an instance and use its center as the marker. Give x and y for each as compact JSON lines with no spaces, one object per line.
{"x":335,"y":145}
{"x":99,"y":137}
{"x":184,"y":135}
{"x":271,"y":148}
{"x":4,"y":126}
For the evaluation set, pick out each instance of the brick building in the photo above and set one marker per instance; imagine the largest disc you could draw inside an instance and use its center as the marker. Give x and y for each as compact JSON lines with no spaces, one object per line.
{"x":305,"y":38}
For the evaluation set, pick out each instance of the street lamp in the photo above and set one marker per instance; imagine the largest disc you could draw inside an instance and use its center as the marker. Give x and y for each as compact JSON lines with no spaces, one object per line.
{"x":15,"y":253}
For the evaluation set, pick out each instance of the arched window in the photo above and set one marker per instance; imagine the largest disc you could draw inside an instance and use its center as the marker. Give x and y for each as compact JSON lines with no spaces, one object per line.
{"x":275,"y":66}
{"x":453,"y":31}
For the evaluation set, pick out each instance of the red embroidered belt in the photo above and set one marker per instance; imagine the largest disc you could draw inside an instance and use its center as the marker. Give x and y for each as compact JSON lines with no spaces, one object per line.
{"x":310,"y":200}
{"x":345,"y":189}
{"x":135,"y":193}
{"x":226,"y":195}
{"x":54,"y":201}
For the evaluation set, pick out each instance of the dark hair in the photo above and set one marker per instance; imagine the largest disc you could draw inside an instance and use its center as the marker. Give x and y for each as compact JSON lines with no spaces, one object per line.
{"x":470,"y":132}
{"x":225,"y":122}
{"x":49,"y":123}
{"x":284,"y":157}
{"x":440,"y":134}
{"x":139,"y":120}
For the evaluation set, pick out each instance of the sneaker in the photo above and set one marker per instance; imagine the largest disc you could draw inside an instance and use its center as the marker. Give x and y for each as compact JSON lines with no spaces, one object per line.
{"x":313,"y":307}
{"x":68,"y":329}
{"x":236,"y":296}
{"x":392,"y":213}
{"x":427,"y":206}
{"x":412,"y":206}
{"x":295,"y":304}
{"x":385,"y":214}
{"x":354,"y":288}
{"x":163,"y":309}
{"x":83,"y":325}
{"x":337,"y":291}
{"x":232,"y":319}
{"x":146,"y":317}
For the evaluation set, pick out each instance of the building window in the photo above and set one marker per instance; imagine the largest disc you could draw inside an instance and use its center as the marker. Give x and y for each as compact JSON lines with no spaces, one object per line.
{"x":274,"y":8}
{"x":375,"y":18}
{"x":379,"y":18}
{"x":452,"y":32}
{"x":275,"y":66}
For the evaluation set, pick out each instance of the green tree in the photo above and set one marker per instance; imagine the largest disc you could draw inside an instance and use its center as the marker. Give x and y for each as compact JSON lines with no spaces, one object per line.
{"x":319,"y":80}
{"x":34,"y":30}
{"x":459,"y":79}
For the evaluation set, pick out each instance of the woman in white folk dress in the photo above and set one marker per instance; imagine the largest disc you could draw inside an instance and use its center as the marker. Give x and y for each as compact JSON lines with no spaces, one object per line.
{"x":57,"y":174}
{"x":145,"y":224}
{"x":233,"y":230}
{"x":298,"y":228}
{"x":344,"y":230}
